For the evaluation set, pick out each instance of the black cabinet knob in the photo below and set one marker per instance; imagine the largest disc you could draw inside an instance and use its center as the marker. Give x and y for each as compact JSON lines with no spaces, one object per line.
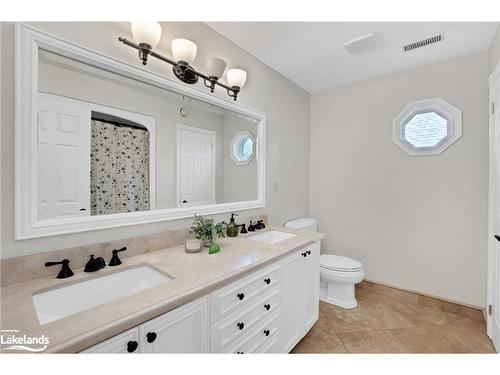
{"x":267,"y":281}
{"x":240,"y":296}
{"x":239,"y":353}
{"x":267,"y":306}
{"x":240,"y":325}
{"x":132,"y":346}
{"x":267,"y":332}
{"x":151,"y":337}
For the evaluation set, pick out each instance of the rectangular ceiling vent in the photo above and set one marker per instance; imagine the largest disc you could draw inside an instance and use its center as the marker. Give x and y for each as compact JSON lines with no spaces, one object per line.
{"x":423,"y":43}
{"x":362,"y":44}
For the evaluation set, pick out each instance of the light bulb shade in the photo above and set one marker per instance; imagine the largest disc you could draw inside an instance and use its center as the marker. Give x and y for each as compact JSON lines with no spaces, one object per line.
{"x":236,"y":77}
{"x":184,"y":50}
{"x":146,"y":32}
{"x":216,"y":67}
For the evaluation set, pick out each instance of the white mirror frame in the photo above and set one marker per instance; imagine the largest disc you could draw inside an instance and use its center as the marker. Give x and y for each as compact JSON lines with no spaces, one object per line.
{"x":28,"y":42}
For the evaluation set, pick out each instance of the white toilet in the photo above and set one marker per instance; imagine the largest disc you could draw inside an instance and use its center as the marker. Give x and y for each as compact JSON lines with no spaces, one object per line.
{"x":338,"y":274}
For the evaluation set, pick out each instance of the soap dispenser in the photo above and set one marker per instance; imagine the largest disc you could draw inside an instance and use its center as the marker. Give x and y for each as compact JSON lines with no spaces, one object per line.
{"x":232,"y":228}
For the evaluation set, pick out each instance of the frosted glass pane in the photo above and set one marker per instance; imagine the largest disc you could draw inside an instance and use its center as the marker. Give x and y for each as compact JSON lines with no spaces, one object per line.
{"x":426,"y":129}
{"x":246,"y":149}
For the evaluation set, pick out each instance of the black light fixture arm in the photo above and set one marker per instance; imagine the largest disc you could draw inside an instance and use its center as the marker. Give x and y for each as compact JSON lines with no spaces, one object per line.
{"x":180,"y":67}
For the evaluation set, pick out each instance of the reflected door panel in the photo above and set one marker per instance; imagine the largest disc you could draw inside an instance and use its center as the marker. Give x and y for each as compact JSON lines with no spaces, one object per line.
{"x":63,"y":158}
{"x":197,"y":168}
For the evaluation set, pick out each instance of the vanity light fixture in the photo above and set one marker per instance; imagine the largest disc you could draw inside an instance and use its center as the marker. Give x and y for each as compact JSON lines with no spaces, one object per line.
{"x":147,"y":36}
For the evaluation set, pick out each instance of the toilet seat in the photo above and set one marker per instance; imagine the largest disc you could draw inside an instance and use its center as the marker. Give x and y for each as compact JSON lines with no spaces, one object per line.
{"x":339,"y":263}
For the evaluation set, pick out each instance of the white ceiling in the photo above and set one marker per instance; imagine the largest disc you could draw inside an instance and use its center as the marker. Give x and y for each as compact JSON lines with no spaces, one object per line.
{"x":311,"y":53}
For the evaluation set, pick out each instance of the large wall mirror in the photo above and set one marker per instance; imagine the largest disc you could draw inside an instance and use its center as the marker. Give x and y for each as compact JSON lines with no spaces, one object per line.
{"x":101,"y":144}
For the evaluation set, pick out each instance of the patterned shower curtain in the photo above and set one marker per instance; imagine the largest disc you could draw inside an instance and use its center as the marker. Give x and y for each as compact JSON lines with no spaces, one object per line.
{"x":119,"y":168}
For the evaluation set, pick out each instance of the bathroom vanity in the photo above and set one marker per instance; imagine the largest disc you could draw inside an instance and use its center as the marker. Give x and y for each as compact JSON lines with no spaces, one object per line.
{"x":268,"y":311}
{"x":252,"y":297}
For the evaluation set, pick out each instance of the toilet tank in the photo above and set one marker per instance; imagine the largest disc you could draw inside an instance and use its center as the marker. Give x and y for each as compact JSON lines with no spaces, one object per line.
{"x":306,"y":224}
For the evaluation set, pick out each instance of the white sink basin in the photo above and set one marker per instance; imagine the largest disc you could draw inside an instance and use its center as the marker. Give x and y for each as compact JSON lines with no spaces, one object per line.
{"x":58,"y":303}
{"x":272,"y":237}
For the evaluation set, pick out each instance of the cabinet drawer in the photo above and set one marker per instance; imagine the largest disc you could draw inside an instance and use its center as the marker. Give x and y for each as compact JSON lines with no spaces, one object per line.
{"x":271,"y":346}
{"x":227,"y":299}
{"x":256,"y":340}
{"x":125,"y":342}
{"x":239,"y":323}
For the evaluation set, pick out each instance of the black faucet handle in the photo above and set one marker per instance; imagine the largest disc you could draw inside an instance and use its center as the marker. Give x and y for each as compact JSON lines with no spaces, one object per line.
{"x":243,"y":228}
{"x":262,"y":225}
{"x":65,"y":271}
{"x":115,"y":261}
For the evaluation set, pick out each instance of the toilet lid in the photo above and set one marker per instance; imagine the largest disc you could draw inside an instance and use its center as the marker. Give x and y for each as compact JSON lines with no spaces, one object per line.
{"x":337,"y":262}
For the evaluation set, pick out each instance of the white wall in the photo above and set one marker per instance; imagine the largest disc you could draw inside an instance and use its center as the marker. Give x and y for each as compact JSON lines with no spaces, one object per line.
{"x":494,"y":50}
{"x":285,"y":104}
{"x":415,"y":222}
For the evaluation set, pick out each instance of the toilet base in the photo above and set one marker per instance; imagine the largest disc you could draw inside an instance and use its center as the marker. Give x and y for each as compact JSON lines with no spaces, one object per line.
{"x":341,"y":295}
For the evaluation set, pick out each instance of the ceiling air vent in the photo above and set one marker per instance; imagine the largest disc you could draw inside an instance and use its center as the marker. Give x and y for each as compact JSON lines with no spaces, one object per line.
{"x":423,"y":43}
{"x":363,"y":44}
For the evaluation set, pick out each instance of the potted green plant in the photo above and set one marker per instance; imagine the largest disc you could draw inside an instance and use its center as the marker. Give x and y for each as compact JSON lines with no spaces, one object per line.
{"x":202,"y":229}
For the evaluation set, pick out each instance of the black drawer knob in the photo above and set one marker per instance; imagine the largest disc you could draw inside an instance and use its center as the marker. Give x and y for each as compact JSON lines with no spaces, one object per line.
{"x":151,"y":337}
{"x":267,"y":281}
{"x":239,"y":353}
{"x":132,"y":346}
{"x":240,"y":296}
{"x":267,"y":306}
{"x":240,"y":325}
{"x":267,"y":332}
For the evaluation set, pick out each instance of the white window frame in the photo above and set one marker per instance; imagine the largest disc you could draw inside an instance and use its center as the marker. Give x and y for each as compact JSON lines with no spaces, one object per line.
{"x":234,"y":147}
{"x":452,"y":114}
{"x":28,"y":41}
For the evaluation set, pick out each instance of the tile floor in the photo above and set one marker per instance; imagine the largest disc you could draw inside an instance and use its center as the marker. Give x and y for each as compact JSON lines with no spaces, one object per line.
{"x":389,"y":320}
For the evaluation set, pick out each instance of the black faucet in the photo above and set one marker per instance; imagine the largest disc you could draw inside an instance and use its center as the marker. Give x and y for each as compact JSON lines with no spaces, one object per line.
{"x":243,"y":228}
{"x":260,"y":225}
{"x":251,"y":227}
{"x":115,"y":261}
{"x":94,"y":264}
{"x":65,"y":271}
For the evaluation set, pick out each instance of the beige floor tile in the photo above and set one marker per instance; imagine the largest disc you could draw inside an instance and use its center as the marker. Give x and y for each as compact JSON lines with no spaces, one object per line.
{"x":396,"y":322}
{"x":372,"y":342}
{"x":318,"y":341}
{"x":474,"y":338}
{"x":429,"y":340}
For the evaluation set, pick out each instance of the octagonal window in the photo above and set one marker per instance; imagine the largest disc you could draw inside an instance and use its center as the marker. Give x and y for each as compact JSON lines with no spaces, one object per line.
{"x":427,"y":127}
{"x":242,"y":147}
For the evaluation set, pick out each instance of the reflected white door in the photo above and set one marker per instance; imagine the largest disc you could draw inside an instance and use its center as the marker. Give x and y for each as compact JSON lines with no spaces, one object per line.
{"x":196,"y":166}
{"x":63,"y":158}
{"x":494,"y":249}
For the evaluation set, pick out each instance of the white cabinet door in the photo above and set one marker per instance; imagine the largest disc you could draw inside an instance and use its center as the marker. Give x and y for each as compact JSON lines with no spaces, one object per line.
{"x":311,"y":286}
{"x":125,"y":342}
{"x":63,"y":157}
{"x":292,"y":300}
{"x":183,"y":330}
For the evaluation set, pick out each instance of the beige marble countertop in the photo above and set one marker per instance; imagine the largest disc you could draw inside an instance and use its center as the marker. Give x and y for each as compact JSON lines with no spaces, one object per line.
{"x":195,"y":275}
